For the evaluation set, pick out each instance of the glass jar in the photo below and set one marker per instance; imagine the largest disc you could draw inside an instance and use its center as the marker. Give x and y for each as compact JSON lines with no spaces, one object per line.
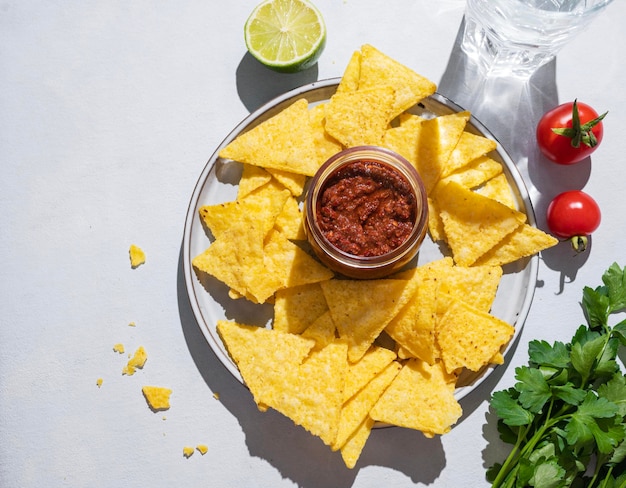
{"x":366,"y":212}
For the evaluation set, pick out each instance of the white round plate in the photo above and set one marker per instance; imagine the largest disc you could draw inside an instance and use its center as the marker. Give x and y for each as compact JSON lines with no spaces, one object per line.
{"x":218,"y":183}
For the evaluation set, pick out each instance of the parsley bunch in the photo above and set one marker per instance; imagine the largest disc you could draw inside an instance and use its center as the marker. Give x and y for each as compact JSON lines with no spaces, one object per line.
{"x":566,"y":415}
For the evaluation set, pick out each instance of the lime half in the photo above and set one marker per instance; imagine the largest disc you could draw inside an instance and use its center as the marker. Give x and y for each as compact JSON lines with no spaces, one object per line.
{"x":285,"y":35}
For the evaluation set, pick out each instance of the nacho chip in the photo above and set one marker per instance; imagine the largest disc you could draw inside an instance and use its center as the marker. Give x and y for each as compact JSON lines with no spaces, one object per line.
{"x":378,"y":69}
{"x":357,"y":408}
{"x":308,"y":394}
{"x":281,"y":351}
{"x":469,"y":148}
{"x":252,"y":177}
{"x":325,"y":144}
{"x":375,"y":360}
{"x":360,"y":117}
{"x":289,"y":221}
{"x":404,"y":140}
{"x":473,"y":224}
{"x":292,"y":181}
{"x":470,"y":338}
{"x":351,"y":450}
{"x":322,"y":331}
{"x":357,"y":321}
{"x":524,"y":241}
{"x":296,"y":308}
{"x":420,"y":397}
{"x":498,"y":189}
{"x":435,"y":224}
{"x":475,"y":173}
{"x":438,"y":138}
{"x":284,"y":141}
{"x":476,"y":285}
{"x":350,"y":79}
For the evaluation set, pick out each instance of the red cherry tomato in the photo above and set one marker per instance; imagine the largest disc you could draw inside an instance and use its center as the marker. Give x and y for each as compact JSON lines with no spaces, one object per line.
{"x":570,"y":132}
{"x":573,"y":215}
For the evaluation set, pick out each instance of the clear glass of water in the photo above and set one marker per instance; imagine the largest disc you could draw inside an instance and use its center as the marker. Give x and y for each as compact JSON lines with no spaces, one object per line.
{"x":515,"y":37}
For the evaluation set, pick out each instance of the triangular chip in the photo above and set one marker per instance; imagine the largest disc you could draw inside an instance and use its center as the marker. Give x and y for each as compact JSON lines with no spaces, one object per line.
{"x":469,"y":148}
{"x":357,"y":408}
{"x":350,"y":79}
{"x":296,"y":308}
{"x":292,"y":181}
{"x":358,"y":322}
{"x":378,"y":69}
{"x":475,"y":173}
{"x":351,"y":450}
{"x":498,"y":188}
{"x":375,"y":360}
{"x":420,"y":397}
{"x":438,"y":138}
{"x":281,"y":351}
{"x":289,"y":221}
{"x":476,"y":285}
{"x":325,"y":144}
{"x":252,"y":177}
{"x":361,"y":117}
{"x":284,"y":141}
{"x":524,"y":241}
{"x":473,"y":223}
{"x":469,"y":338}
{"x":322,"y":330}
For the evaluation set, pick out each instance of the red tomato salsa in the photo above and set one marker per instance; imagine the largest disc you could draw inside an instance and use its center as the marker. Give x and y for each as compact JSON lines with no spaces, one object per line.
{"x":366,"y":209}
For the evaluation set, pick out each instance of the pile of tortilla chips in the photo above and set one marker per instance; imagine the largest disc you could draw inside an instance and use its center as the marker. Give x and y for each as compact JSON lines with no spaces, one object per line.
{"x":343,"y":354}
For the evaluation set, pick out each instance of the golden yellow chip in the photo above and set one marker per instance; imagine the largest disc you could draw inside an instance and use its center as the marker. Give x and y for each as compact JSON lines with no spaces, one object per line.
{"x":378,"y":69}
{"x":470,"y":338}
{"x":296,"y":308}
{"x":252,"y":177}
{"x":438,"y":138}
{"x":158,"y":398}
{"x":404,"y":140}
{"x":137,"y":256}
{"x":435,"y":224}
{"x":375,"y":360}
{"x":351,"y":450}
{"x":469,"y":148}
{"x":476,"y":285}
{"x":360,"y":117}
{"x":473,"y":223}
{"x":326,"y":145}
{"x":420,"y":397}
{"x":322,"y":331}
{"x":476,"y":173}
{"x":524,"y":241}
{"x":284,"y":141}
{"x":498,"y":188}
{"x":357,"y":408}
{"x":357,"y":321}
{"x":308,"y":394}
{"x":289,"y":221}
{"x":292,"y":181}
{"x":350,"y":78}
{"x":281,"y":351}
{"x":137,"y":361}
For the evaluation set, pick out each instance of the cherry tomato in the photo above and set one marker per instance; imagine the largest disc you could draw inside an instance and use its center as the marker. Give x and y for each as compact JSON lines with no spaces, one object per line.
{"x":573,"y":215}
{"x":570,"y":132}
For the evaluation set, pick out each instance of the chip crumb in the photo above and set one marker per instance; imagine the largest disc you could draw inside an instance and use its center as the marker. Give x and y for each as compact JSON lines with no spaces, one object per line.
{"x":188,"y":451}
{"x":216,"y":395}
{"x":132,"y":324}
{"x":99,"y":382}
{"x":202,"y":449}
{"x":158,"y":397}
{"x":136,"y":362}
{"x":137,"y":256}
{"x":119,"y":348}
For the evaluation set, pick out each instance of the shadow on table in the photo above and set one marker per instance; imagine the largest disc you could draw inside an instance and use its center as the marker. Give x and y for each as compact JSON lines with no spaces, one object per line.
{"x":511,"y":108}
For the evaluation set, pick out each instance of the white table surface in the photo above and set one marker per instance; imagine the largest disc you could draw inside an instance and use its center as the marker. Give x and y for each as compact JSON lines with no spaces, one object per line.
{"x":108,"y":114}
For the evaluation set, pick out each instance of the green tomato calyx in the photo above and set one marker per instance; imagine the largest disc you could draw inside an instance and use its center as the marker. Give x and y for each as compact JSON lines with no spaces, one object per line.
{"x":580,"y":133}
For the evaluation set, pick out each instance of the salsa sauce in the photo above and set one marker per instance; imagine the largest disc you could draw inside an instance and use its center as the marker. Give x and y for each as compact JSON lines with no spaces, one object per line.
{"x":366,"y":209}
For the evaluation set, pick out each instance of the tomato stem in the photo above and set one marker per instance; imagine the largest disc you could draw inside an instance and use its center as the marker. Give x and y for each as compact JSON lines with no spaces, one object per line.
{"x":580,"y":132}
{"x":579,"y":243}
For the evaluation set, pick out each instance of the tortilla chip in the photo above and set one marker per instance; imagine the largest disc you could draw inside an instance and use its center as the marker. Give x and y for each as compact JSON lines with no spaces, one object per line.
{"x":322,"y":331}
{"x":473,"y":224}
{"x":284,"y":142}
{"x":292,"y":181}
{"x":438,"y":138}
{"x":375,"y":360}
{"x":357,"y":408}
{"x":469,"y":148}
{"x":498,"y":189}
{"x":252,"y":177}
{"x":475,"y":173}
{"x":469,"y":338}
{"x":326,"y":145}
{"x":289,"y":221}
{"x":378,"y":69}
{"x":476,"y":285}
{"x":524,"y":241}
{"x":357,"y":321}
{"x":351,"y":450}
{"x":296,"y":308}
{"x":420,"y":397}
{"x":360,"y":117}
{"x":350,"y":79}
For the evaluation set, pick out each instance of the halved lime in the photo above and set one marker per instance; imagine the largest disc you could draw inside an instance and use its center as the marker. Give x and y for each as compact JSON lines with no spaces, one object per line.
{"x":285,"y":35}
